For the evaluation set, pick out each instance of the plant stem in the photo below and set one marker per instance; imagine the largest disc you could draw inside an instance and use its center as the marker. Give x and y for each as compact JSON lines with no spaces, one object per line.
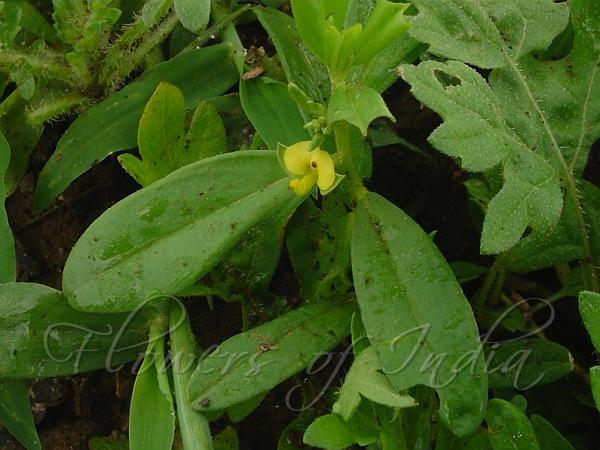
{"x":195,"y":429}
{"x":55,"y":107}
{"x":48,"y":66}
{"x":344,"y":148}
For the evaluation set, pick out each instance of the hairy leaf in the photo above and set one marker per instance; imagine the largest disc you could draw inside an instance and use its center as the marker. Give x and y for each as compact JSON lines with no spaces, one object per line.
{"x":542,"y":141}
{"x":193,"y":14}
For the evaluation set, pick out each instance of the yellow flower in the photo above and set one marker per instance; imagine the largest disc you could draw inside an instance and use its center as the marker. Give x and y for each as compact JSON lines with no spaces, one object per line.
{"x":310,"y":168}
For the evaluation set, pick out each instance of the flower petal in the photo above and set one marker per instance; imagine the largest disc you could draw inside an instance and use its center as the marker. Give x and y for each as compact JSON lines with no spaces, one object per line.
{"x":297,"y":158}
{"x":304,"y":185}
{"x":322,"y":162}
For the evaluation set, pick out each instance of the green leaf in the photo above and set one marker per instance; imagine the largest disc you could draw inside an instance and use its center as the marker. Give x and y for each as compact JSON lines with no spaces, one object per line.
{"x":193,"y":14}
{"x":542,"y":141}
{"x":272,"y":112}
{"x":22,"y":137}
{"x":365,"y":380}
{"x":416,"y":422}
{"x":154,"y":10}
{"x":8,"y":267}
{"x":152,"y":413}
{"x":226,"y":440}
{"x":44,"y":337}
{"x":112,"y":125}
{"x":310,"y":23}
{"x":595,"y":379}
{"x":476,"y":132}
{"x":589,"y":308}
{"x":267,"y":355}
{"x":299,"y":65}
{"x":358,"y":105}
{"x":15,"y":413}
{"x":194,"y":427}
{"x":485,"y":34}
{"x":509,"y":428}
{"x":154,"y":242}
{"x":525,"y":363}
{"x":318,"y":242}
{"x":417,"y":317}
{"x":548,"y":436}
{"x":162,"y":139}
{"x":331,"y":432}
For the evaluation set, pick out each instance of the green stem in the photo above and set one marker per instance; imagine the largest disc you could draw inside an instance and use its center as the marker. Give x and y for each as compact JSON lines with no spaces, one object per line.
{"x":195,"y":429}
{"x":48,"y":66}
{"x":125,"y":56}
{"x":344,"y":148}
{"x":55,"y":107}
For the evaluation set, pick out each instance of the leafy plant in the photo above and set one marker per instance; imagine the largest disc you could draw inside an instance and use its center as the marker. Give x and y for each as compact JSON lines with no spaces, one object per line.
{"x":255,"y":165}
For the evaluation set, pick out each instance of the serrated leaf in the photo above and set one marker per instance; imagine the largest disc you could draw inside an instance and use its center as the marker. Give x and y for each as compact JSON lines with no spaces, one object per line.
{"x":509,"y":428}
{"x":112,"y":124}
{"x":193,"y":14}
{"x":8,"y":265}
{"x":15,"y":413}
{"x":414,"y":310}
{"x":357,"y":105}
{"x":154,"y":243}
{"x":559,"y":129}
{"x":267,"y":355}
{"x":366,"y":380}
{"x":42,"y":336}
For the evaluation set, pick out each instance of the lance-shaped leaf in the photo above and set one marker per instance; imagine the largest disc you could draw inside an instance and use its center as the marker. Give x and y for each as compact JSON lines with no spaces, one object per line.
{"x":152,"y":410}
{"x":8,"y":269}
{"x":42,"y":336}
{"x":15,"y":413}
{"x":272,"y":112}
{"x":256,"y":361}
{"x":542,"y":140}
{"x":164,"y":238}
{"x":415,"y":313}
{"x":112,"y":125}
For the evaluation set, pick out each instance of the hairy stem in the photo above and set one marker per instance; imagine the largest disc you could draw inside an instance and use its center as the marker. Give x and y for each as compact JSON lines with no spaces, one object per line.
{"x":55,"y":107}
{"x":344,"y":148}
{"x":49,"y":66}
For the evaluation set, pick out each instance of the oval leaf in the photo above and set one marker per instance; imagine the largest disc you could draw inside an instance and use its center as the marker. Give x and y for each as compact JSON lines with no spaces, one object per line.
{"x":509,"y":428}
{"x":164,"y":238}
{"x":193,"y":14}
{"x":415,"y":313}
